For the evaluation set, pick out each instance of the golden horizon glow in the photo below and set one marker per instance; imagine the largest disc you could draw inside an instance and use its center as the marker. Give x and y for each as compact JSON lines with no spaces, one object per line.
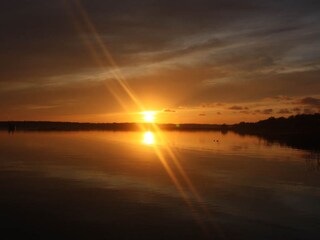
{"x":148,"y":138}
{"x":149,"y":116}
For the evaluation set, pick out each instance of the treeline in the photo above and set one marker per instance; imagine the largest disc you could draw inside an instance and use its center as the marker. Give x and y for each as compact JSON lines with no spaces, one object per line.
{"x":304,"y":123}
{"x":76,"y":126}
{"x":295,"y":124}
{"x":65,"y":126}
{"x":300,"y":131}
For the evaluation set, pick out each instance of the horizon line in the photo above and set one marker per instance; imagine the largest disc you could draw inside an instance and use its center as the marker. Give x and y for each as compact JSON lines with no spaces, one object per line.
{"x":148,"y":123}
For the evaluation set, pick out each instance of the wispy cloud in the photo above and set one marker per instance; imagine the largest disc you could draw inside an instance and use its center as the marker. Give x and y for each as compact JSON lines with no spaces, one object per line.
{"x":235,"y":52}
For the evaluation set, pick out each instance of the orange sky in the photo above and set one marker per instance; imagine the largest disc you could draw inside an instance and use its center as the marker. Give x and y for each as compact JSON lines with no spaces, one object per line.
{"x":200,"y":61}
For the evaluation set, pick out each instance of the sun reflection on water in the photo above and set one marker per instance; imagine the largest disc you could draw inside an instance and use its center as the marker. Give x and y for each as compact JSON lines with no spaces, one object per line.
{"x":148,"y":138}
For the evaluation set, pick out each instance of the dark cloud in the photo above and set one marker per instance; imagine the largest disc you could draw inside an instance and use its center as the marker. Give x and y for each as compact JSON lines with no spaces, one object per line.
{"x":172,"y":53}
{"x":267,"y":111}
{"x":202,"y":114}
{"x":42,"y":33}
{"x":212,"y":105}
{"x":168,"y":110}
{"x":260,"y":86}
{"x":308,"y":111}
{"x":245,"y":112}
{"x":284,"y":111}
{"x":283,"y":98}
{"x":236,"y":108}
{"x":70,"y":99}
{"x":311,"y":101}
{"x":297,"y":110}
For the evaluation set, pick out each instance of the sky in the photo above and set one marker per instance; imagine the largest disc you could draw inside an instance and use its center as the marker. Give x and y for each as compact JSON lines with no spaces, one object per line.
{"x":199,"y":61}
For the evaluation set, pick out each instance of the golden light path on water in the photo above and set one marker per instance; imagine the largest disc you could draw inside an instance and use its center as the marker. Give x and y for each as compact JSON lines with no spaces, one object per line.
{"x":122,"y":92}
{"x":174,"y":169}
{"x":148,"y":138}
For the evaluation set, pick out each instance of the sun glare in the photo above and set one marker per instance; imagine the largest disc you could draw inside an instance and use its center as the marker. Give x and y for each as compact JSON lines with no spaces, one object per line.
{"x":148,"y":138}
{"x":149,"y":116}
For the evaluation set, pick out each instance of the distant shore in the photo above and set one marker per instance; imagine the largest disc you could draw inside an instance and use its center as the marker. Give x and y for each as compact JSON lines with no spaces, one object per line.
{"x":76,"y":126}
{"x":294,"y":124}
{"x":300,"y":131}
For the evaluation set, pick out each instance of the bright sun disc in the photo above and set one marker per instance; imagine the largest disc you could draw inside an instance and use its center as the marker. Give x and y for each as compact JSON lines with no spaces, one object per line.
{"x":149,"y":116}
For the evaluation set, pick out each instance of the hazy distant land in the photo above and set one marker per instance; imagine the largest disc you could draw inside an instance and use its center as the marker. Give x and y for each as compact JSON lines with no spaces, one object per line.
{"x":77,"y":126}
{"x":304,"y":123}
{"x":299,"y":131}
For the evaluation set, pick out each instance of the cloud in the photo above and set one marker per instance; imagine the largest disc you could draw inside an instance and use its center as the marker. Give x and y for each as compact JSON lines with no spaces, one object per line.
{"x":245,"y":112}
{"x":236,"y":108}
{"x":296,"y":109}
{"x":284,"y":111}
{"x":202,"y":114}
{"x":308,"y":111}
{"x":70,"y":99}
{"x":310,"y":101}
{"x":283,"y":98}
{"x":171,"y":54}
{"x":267,"y":111}
{"x":212,"y":105}
{"x":168,"y":110}
{"x":54,"y":44}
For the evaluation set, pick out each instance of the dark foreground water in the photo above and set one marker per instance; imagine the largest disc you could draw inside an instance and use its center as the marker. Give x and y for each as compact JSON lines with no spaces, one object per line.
{"x":143,"y":185}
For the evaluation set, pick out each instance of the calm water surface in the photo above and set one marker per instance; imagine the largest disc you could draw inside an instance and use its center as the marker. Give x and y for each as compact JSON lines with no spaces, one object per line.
{"x":144,"y":185}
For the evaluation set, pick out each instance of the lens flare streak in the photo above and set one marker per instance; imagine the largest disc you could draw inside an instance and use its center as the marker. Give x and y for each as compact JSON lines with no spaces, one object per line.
{"x":84,"y":25}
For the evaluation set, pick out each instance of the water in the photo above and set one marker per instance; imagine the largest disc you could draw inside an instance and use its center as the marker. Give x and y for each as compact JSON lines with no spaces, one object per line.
{"x":144,"y":185}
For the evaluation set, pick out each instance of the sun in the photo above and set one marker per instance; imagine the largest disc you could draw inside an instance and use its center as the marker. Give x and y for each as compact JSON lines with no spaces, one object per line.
{"x":149,"y":116}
